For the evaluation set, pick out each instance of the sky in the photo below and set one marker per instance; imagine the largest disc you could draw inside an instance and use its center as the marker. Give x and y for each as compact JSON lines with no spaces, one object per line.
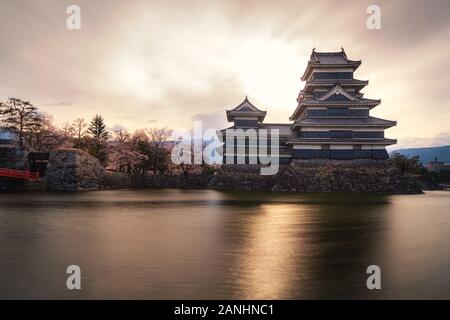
{"x":144,"y":64}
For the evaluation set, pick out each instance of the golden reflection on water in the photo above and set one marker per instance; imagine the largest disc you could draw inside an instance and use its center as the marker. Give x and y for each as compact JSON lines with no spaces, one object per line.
{"x":267,"y":264}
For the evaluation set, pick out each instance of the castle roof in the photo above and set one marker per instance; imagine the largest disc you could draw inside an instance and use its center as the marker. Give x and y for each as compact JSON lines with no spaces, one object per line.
{"x":284,"y":128}
{"x":342,"y":141}
{"x":344,"y":122}
{"x":329,"y":60}
{"x":343,"y":103}
{"x":332,"y":82}
{"x":336,"y":96}
{"x":246,"y":110}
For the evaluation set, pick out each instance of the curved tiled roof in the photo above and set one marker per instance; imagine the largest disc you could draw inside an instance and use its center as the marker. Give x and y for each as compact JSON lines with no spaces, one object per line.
{"x":329,"y":99}
{"x":245,"y":109}
{"x":333,"y":82}
{"x":359,"y":101}
{"x":352,"y":141}
{"x":329,"y":60}
{"x":284,"y":128}
{"x":351,"y":122}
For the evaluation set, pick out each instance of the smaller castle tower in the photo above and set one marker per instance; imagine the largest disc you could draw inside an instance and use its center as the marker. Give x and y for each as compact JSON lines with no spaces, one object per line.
{"x":246,"y":115}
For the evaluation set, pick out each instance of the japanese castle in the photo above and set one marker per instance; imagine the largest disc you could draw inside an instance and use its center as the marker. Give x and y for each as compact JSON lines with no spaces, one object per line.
{"x":332,"y":119}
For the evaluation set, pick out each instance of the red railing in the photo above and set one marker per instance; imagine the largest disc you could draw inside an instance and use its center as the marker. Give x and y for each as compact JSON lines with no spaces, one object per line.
{"x":19,"y":174}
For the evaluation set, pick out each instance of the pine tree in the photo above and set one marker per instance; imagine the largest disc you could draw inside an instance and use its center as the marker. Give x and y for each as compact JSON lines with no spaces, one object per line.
{"x":97,"y":128}
{"x":97,"y":144}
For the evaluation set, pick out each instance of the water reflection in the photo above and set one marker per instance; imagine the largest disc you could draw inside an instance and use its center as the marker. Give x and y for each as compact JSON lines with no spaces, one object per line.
{"x":152,"y":244}
{"x":305,"y":250}
{"x":263,"y":267}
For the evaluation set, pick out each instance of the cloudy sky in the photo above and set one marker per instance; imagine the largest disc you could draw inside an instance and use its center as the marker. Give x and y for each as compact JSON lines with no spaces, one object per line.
{"x":167,"y":63}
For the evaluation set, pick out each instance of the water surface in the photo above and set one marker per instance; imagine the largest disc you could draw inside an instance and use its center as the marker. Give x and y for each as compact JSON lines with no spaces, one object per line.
{"x":205,"y":244}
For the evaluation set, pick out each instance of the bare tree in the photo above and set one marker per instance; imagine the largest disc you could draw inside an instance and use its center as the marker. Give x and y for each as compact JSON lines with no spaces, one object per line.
{"x":79,"y":128}
{"x":18,"y":116}
{"x":42,"y":135}
{"x":68,"y":129}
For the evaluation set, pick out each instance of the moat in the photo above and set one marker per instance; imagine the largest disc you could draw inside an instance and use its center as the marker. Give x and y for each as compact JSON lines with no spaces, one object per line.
{"x":192,"y":244}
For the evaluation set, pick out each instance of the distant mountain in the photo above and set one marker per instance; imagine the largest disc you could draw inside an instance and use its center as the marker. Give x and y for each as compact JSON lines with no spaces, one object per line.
{"x":427,"y":154}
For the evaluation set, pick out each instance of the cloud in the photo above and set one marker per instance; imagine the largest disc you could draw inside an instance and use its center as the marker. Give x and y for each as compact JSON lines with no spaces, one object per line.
{"x":60,"y":104}
{"x":442,"y":139}
{"x":117,"y":127}
{"x":168,"y":63}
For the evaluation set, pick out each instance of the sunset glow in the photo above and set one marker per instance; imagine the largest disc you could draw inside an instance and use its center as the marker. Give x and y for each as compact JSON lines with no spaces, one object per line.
{"x":171,"y":63}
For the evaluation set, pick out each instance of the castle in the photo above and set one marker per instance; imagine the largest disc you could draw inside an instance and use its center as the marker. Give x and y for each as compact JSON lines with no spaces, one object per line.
{"x":332,"y":119}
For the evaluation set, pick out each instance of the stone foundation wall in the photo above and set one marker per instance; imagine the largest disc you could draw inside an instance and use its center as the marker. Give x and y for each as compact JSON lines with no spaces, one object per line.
{"x":427,"y":183}
{"x":73,"y":170}
{"x":360,"y":176}
{"x":76,"y":170}
{"x":244,"y":177}
{"x":115,"y":180}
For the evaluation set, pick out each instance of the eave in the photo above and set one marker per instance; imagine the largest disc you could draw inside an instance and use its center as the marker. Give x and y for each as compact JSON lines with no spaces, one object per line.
{"x":331,"y":83}
{"x":314,"y":65}
{"x":305,"y":104}
{"x":345,"y":126}
{"x":334,"y":141}
{"x":260,"y":115}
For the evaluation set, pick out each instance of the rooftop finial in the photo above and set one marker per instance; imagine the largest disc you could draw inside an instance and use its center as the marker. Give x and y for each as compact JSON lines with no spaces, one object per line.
{"x":246,"y":98}
{"x":342,"y":49}
{"x":314,"y":49}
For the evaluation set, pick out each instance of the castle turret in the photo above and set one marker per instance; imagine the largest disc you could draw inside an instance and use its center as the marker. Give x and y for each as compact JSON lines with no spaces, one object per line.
{"x":246,"y":115}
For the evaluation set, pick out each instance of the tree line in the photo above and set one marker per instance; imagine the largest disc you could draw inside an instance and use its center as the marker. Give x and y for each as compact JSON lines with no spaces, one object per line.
{"x":141,"y":151}
{"x":413,"y":166}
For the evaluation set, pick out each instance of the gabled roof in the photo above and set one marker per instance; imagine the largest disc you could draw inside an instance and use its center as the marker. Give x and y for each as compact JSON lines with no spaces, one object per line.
{"x":329,"y":57}
{"x":337,"y":96}
{"x":247,"y":110}
{"x":336,"y":91}
{"x":338,"y":103}
{"x":329,"y":60}
{"x":246,"y":105}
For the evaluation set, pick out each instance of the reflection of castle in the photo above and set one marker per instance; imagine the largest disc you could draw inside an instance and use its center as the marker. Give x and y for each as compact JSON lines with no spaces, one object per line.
{"x":332,"y":118}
